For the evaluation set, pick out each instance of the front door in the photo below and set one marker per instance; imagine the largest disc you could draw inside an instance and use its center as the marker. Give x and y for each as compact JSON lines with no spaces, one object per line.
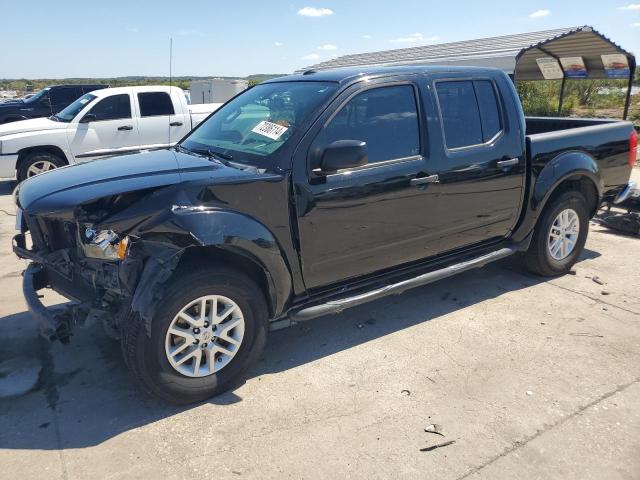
{"x":109,"y":130}
{"x":362,"y":220}
{"x":481,"y":165}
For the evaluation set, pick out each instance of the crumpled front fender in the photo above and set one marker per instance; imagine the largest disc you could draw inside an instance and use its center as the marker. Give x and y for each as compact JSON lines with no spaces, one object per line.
{"x":239,"y":233}
{"x":193,"y":227}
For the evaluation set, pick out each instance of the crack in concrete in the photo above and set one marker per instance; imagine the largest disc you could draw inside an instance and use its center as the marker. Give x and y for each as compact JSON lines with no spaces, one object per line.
{"x":595,"y":299}
{"x":521,"y":443}
{"x":583,"y":294}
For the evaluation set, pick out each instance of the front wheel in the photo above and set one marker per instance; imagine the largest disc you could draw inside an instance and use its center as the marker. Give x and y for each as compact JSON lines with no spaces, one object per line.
{"x":210,"y":327}
{"x":559,"y":236}
{"x":38,"y":162}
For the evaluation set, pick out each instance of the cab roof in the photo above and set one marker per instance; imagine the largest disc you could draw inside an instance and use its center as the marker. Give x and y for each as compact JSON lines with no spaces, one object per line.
{"x":350,"y":74}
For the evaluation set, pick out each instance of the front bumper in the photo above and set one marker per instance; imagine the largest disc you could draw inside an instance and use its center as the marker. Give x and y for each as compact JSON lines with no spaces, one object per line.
{"x":8,"y":164}
{"x":54,"y":323}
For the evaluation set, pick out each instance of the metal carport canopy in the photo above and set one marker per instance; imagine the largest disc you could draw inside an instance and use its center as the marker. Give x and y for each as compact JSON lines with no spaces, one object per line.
{"x":515,"y":54}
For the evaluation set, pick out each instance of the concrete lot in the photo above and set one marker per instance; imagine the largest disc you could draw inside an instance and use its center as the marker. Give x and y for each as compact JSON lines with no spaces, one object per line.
{"x":532,"y":378}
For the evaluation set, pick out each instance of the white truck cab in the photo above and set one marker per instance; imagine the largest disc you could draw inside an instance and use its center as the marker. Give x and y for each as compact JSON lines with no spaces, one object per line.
{"x":101,"y":123}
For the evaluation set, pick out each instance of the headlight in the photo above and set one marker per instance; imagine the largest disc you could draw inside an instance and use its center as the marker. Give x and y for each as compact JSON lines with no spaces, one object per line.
{"x":104,"y":244}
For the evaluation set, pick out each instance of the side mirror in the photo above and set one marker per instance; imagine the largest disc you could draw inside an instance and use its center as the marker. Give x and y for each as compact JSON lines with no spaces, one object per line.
{"x":89,"y":117}
{"x":343,"y":154}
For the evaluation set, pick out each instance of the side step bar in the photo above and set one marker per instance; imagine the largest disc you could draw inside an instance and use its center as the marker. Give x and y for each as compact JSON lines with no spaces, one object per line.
{"x":337,"y":306}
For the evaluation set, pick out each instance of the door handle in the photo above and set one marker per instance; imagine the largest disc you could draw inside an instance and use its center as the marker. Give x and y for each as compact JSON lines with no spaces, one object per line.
{"x":175,"y":124}
{"x":425,"y":180}
{"x":125,"y":127}
{"x":508,"y":163}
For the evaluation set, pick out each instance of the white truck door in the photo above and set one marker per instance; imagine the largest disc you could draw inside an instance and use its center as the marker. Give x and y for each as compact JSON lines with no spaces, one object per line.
{"x":159,"y":123}
{"x":107,"y":128}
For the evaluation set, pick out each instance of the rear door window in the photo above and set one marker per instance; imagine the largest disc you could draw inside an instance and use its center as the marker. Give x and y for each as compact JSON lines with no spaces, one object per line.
{"x":470,"y":112}
{"x":64,"y":96}
{"x":115,"y":107}
{"x":91,"y":88}
{"x":489,"y":109}
{"x":460,"y":114}
{"x":153,"y":104}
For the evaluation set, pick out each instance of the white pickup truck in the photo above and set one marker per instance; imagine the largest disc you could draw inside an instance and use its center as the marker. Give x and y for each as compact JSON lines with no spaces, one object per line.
{"x":104,"y":122}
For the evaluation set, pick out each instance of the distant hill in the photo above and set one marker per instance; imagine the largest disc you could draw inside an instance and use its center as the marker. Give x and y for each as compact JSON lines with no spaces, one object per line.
{"x":23,"y":84}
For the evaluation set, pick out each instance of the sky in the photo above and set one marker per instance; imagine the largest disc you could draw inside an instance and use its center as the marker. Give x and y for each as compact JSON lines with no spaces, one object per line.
{"x":44,"y":39}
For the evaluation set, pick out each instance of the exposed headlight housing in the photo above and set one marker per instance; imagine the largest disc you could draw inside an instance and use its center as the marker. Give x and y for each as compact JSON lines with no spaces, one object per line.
{"x":104,"y":244}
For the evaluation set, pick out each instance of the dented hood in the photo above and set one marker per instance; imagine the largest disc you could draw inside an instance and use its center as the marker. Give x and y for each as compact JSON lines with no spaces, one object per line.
{"x":68,"y":187}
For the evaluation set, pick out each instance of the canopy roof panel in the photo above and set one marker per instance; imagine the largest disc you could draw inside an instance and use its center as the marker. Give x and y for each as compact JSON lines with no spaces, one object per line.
{"x":513,"y":53}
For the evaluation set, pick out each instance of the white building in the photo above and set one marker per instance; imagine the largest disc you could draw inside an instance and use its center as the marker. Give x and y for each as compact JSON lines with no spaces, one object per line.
{"x":215,"y":90}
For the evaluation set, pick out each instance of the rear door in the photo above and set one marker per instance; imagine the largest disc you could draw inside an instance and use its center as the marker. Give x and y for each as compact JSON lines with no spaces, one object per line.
{"x":159,"y":122}
{"x":113,"y":131}
{"x":361,"y":220}
{"x":481,"y":165}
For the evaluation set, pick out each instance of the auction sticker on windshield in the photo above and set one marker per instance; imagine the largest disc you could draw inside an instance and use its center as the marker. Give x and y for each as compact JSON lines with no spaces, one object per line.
{"x":268,"y":129}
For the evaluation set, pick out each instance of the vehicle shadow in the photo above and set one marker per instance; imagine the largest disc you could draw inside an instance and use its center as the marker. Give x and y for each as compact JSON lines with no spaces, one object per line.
{"x":85,"y":395}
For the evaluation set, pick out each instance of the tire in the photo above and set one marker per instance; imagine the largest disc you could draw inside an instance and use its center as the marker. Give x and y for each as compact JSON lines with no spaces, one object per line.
{"x":147,"y":355}
{"x":539,"y":258}
{"x":38,"y":159}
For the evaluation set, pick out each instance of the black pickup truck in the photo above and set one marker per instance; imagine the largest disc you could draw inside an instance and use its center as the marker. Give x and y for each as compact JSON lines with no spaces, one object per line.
{"x":46,"y":102}
{"x":304,"y":196}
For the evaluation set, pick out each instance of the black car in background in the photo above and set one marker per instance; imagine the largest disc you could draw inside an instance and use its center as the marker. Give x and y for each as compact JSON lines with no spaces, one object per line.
{"x":45,"y":103}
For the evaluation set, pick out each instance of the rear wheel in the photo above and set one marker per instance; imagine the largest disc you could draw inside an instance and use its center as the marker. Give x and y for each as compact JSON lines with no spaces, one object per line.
{"x":210,"y":327}
{"x":38,"y":162}
{"x":559,"y":236}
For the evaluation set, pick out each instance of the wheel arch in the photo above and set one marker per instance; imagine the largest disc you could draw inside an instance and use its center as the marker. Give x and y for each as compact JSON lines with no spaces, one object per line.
{"x":192,"y":235}
{"x":236,"y":259}
{"x":569,"y":171}
{"x":53,"y":149}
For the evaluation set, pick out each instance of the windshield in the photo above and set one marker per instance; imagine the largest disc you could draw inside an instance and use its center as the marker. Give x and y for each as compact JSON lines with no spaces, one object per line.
{"x":72,"y":110}
{"x":258,"y":122}
{"x":38,"y":96}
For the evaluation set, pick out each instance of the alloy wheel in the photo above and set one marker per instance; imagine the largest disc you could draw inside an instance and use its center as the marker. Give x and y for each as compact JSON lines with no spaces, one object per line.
{"x":204,"y":336}
{"x":563,"y":234}
{"x":40,"y":167}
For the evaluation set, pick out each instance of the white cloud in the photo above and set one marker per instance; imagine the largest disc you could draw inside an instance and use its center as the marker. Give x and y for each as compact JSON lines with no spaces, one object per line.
{"x":314,"y":12}
{"x":278,"y":44}
{"x":415,"y":38}
{"x":367,"y":37}
{"x":631,"y":6}
{"x":636,"y":24}
{"x":539,"y":14}
{"x":328,"y":47}
{"x":133,"y":29}
{"x":311,"y":56}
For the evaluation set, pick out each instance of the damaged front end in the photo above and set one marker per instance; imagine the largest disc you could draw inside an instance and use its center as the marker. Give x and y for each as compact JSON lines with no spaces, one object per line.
{"x":99,"y":271}
{"x":108,"y":234}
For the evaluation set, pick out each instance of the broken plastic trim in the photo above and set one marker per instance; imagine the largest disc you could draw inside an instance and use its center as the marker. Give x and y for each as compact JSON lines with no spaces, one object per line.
{"x":53,"y":324}
{"x":160,"y":265}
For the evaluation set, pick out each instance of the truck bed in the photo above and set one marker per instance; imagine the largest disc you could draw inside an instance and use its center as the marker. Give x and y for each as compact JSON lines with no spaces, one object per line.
{"x":605,"y":140}
{"x":536,"y":125}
